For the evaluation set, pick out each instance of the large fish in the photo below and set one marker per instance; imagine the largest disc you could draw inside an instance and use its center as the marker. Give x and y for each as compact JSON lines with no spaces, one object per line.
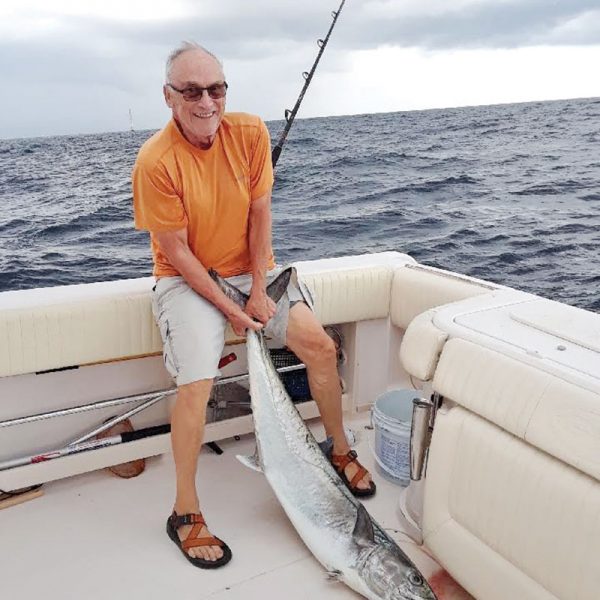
{"x":334,"y":525}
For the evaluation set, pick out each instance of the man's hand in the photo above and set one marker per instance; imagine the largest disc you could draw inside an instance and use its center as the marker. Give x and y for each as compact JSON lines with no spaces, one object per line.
{"x":240,"y":321}
{"x":260,"y":306}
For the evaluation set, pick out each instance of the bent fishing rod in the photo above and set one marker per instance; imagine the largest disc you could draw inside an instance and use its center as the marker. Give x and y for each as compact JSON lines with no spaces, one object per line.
{"x":290,"y":115}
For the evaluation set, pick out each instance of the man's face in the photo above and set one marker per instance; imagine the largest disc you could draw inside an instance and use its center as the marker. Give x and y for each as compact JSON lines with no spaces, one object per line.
{"x":199,"y":119}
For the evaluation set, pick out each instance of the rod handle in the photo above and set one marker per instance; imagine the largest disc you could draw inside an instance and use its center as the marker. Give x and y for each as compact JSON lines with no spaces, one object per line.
{"x":420,"y":436}
{"x":130,"y":436}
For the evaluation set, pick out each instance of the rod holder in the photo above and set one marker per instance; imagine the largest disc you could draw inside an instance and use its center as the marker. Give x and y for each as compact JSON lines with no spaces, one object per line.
{"x":420,"y":436}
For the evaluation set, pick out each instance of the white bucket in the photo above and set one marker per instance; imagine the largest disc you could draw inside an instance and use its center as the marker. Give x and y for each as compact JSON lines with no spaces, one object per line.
{"x":391,"y":417}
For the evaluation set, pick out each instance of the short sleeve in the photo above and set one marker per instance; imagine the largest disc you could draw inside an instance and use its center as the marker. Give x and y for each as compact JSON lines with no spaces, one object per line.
{"x":261,"y":168}
{"x":156,"y":204}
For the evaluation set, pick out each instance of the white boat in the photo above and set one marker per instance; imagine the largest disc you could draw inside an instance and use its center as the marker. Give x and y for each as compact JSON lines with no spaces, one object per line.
{"x":509,"y":505}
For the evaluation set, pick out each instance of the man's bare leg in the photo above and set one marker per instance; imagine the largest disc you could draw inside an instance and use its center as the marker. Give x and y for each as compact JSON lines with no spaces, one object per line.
{"x":187,"y":433}
{"x":307,"y":339}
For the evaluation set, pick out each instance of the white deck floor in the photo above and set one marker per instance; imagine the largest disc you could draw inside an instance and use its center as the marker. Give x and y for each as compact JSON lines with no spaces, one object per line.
{"x":96,"y":536}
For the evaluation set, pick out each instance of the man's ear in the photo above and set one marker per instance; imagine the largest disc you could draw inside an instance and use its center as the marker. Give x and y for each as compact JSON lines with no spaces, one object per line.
{"x":167,"y":95}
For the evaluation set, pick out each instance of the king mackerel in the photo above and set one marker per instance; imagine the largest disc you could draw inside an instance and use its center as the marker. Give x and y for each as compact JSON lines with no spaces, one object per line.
{"x":334,"y":525}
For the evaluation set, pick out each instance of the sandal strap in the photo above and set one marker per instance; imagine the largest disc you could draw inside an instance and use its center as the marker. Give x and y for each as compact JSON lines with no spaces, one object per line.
{"x":187,"y":519}
{"x":341,"y":461}
{"x":359,"y":475}
{"x":200,"y":541}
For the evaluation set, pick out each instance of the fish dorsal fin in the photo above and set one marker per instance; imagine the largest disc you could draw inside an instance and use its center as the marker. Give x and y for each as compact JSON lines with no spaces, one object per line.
{"x":363,"y":533}
{"x":279,"y":285}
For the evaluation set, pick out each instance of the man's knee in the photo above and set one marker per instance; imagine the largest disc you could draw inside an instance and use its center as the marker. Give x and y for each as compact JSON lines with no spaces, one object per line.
{"x":319,"y":349}
{"x":194,"y":396}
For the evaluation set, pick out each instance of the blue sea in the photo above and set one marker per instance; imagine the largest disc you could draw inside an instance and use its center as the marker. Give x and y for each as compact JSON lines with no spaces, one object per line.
{"x":507,"y":193}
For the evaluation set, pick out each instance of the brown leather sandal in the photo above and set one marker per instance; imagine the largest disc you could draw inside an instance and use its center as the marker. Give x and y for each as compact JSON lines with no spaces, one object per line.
{"x":175,"y":521}
{"x":340,"y":462}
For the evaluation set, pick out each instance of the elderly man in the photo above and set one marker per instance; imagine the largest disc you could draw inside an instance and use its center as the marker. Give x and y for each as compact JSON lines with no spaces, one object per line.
{"x":202,"y":188}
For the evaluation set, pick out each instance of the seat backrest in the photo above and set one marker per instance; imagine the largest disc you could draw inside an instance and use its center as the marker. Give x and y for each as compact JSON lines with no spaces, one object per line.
{"x":551,"y":414}
{"x":416,"y":288}
{"x":55,"y":328}
{"x":69,"y":326}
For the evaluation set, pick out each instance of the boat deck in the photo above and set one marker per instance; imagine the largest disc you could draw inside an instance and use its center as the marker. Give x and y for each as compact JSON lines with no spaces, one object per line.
{"x":96,"y":536}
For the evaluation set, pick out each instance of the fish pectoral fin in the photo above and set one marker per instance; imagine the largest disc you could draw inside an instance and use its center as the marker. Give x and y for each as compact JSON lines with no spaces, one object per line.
{"x":334,"y":574}
{"x":252,"y":462}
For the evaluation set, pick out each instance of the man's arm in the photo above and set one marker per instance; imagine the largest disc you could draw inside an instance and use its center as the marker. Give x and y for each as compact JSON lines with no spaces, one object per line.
{"x":260,"y":305}
{"x":175,"y":245}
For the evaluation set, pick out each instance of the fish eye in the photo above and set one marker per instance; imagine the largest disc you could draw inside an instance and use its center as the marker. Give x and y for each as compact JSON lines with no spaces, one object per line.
{"x":415,"y":578}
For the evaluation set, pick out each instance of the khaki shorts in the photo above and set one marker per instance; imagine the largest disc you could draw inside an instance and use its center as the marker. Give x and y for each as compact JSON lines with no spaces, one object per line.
{"x":193,"y":329}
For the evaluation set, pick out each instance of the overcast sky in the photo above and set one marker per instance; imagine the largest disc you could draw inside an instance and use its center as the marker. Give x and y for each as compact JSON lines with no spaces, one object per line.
{"x":78,"y":66}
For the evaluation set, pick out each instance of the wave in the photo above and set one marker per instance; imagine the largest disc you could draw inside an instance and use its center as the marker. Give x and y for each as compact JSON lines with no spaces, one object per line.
{"x":506,"y":193}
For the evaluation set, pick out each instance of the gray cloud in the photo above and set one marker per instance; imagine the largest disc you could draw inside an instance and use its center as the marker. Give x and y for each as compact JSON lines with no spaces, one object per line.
{"x":119,"y":62}
{"x":497,"y":25}
{"x":250,"y":31}
{"x":240,"y":28}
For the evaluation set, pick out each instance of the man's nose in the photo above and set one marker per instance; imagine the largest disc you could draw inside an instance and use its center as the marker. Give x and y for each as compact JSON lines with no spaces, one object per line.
{"x":205,"y":99}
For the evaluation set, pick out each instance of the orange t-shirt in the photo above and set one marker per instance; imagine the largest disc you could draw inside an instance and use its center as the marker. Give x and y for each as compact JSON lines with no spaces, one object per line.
{"x":177,"y":185}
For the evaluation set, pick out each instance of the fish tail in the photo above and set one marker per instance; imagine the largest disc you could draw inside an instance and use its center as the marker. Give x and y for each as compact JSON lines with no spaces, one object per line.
{"x":275,"y":289}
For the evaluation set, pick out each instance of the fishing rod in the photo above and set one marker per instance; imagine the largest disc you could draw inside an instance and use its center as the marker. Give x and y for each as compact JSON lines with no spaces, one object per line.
{"x":290,"y":115}
{"x":126,"y":436}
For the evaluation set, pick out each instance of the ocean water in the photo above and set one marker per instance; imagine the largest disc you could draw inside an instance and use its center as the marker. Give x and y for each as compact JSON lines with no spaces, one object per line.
{"x":507,"y":193}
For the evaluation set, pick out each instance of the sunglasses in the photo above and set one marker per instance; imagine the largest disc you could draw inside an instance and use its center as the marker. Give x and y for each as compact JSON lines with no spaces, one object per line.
{"x":194,"y":92}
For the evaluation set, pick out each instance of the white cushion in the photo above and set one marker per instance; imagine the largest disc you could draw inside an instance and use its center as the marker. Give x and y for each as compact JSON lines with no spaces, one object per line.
{"x":416,"y":289}
{"x":85,"y":324}
{"x":494,"y":386}
{"x":77,"y":333}
{"x":421,"y":346}
{"x":508,"y":520}
{"x":349,"y":295}
{"x":556,"y":416}
{"x":566,"y":424}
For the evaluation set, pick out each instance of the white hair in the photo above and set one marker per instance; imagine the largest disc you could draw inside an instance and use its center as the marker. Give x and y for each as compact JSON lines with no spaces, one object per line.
{"x":181,"y":49}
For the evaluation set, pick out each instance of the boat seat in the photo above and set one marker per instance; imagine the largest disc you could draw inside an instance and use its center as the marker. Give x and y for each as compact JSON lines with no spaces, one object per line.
{"x":554,"y":415}
{"x":416,"y":288}
{"x":416,"y":293}
{"x":512,"y":491}
{"x":76,"y":325}
{"x":87,"y":324}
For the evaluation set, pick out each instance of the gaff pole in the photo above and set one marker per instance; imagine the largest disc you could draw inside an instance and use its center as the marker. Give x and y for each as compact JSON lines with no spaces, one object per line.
{"x":290,"y":115}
